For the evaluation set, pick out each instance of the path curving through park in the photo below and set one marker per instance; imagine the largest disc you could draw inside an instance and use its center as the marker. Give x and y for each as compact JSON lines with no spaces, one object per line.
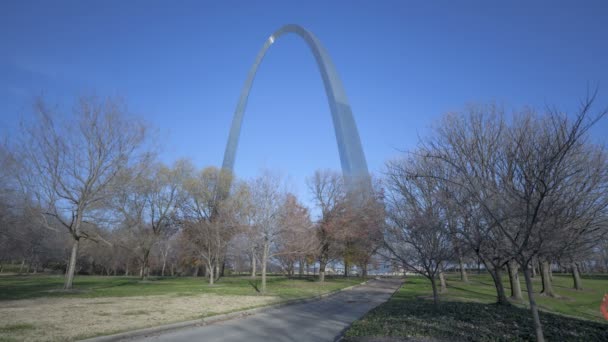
{"x":321,"y":320}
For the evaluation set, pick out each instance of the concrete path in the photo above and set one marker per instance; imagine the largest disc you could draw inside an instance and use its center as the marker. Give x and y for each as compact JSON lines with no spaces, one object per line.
{"x":322,"y":320}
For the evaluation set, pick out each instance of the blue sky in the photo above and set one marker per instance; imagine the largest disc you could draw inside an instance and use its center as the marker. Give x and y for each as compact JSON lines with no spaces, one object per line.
{"x":181,"y":66}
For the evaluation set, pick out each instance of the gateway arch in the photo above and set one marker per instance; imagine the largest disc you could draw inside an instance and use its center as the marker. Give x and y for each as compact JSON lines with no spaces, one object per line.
{"x":352,"y":159}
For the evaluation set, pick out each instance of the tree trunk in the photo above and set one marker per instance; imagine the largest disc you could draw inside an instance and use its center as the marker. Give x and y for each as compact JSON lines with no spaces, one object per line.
{"x":444,"y":286}
{"x":301,"y":268}
{"x":144,"y":266}
{"x":533,"y":269}
{"x":463,"y":272}
{"x":546,"y":280}
{"x":211,"y":275}
{"x":69,"y":275}
{"x":321,"y":271}
{"x":578,"y":285}
{"x":126,"y":269}
{"x":162,"y":272}
{"x":535,"y":317}
{"x":435,"y":294}
{"x":345,"y":268}
{"x":264,"y":262}
{"x":253,"y":270}
{"x":364,"y":270}
{"x":22,"y":264}
{"x":514,"y":280}
{"x":501,"y":297}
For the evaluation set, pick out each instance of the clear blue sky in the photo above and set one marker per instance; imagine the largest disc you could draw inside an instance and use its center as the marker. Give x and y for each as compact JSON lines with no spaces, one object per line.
{"x":181,"y":65}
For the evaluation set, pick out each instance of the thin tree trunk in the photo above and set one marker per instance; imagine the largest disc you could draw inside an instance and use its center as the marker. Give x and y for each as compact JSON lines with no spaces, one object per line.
{"x":435,"y":294}
{"x":463,"y":272}
{"x":546,"y":280}
{"x":126,"y":269}
{"x":444,"y":286}
{"x":264,"y":262}
{"x":144,"y":266}
{"x":345,"y":268}
{"x":253,"y":265}
{"x":578,"y":284}
{"x":501,"y":297}
{"x":321,"y":271}
{"x":514,"y":280}
{"x":69,"y":275}
{"x":22,"y":264}
{"x":535,"y":317}
{"x":211,"y":275}
{"x":162,"y":272}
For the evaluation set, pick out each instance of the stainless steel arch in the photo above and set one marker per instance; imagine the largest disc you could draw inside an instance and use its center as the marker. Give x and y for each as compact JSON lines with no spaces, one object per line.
{"x":352,"y":159}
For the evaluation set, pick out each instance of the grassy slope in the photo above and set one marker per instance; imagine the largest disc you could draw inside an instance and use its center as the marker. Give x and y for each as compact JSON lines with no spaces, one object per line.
{"x":467,"y":312}
{"x":23,"y":287}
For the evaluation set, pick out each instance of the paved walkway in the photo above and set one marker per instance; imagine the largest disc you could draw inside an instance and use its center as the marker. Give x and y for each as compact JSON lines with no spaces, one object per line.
{"x":322,"y":320}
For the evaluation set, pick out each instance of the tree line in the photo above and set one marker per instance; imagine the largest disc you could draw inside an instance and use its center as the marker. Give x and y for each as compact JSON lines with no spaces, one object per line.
{"x":523,"y":193}
{"x":92,"y":174}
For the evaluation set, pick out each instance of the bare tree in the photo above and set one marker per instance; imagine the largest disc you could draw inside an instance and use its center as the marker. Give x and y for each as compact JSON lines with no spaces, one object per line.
{"x":417,"y":235}
{"x":147,"y":201}
{"x":267,"y":200}
{"x":74,"y":163}
{"x":524,"y":177}
{"x":211,"y":219}
{"x":327,"y":189}
{"x":296,"y":238}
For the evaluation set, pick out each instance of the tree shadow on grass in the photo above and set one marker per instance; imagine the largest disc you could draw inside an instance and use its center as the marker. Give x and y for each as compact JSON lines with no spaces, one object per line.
{"x":477,"y":293}
{"x":254,"y":284}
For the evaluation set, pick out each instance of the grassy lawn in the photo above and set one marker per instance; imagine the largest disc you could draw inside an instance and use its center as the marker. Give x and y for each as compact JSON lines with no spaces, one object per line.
{"x":467,"y":313}
{"x":34,"y":308}
{"x":34,"y":286}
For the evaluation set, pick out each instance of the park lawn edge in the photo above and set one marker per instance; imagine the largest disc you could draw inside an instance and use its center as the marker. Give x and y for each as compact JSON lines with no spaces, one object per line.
{"x":207,"y":319}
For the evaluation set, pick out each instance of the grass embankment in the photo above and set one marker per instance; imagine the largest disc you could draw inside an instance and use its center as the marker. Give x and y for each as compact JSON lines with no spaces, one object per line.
{"x":467,"y":312}
{"x":35,"y":308}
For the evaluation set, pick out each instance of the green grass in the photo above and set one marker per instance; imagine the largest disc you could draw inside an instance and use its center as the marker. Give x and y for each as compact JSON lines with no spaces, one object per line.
{"x":15,"y":327}
{"x":583,"y":304}
{"x":12,"y":329}
{"x":34,"y":286}
{"x":467,"y":313}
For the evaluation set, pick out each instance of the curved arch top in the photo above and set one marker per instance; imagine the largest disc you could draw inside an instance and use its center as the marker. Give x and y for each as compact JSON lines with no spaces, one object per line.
{"x":352,"y":159}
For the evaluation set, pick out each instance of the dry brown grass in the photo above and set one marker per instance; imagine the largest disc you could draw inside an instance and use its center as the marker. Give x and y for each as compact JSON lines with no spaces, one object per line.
{"x":61,"y":319}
